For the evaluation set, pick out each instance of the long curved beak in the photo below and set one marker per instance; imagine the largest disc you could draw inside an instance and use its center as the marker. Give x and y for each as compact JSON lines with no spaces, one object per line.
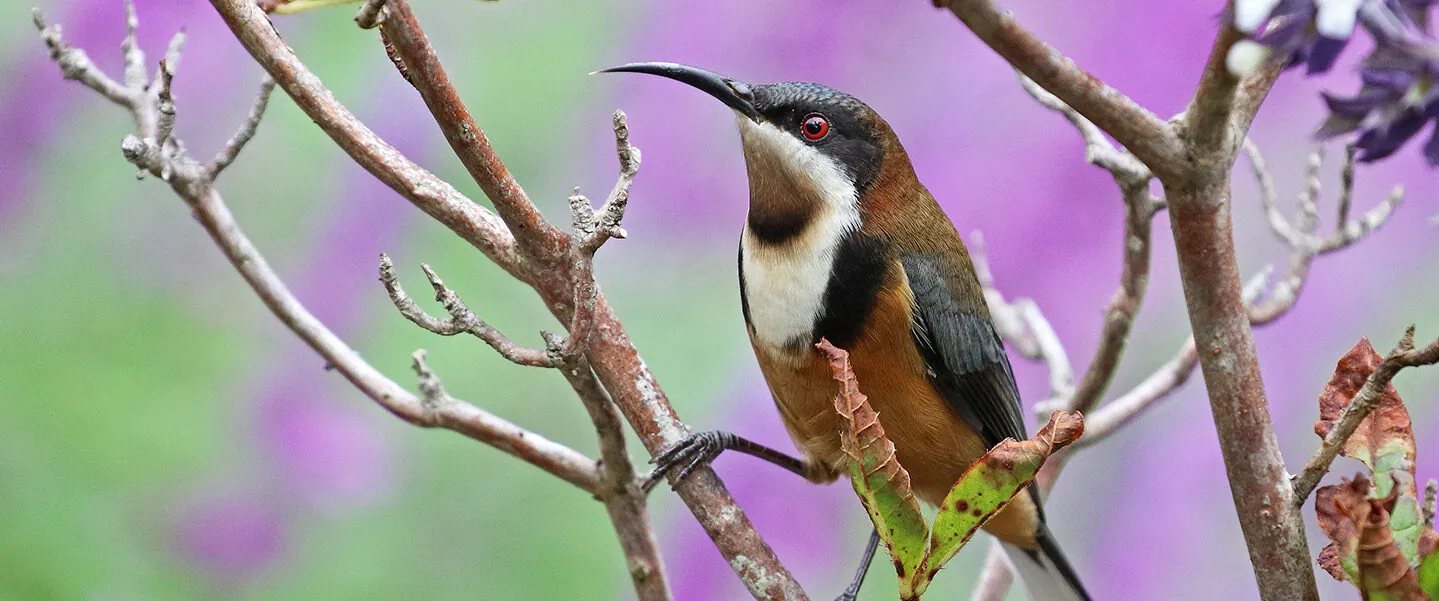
{"x":735,"y":94}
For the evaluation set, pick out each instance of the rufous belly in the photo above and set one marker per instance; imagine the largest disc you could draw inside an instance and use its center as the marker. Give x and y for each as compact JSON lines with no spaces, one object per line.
{"x":931,"y":441}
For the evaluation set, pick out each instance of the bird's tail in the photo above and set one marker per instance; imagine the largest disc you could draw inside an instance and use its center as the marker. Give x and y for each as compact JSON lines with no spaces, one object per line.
{"x":1046,"y":573}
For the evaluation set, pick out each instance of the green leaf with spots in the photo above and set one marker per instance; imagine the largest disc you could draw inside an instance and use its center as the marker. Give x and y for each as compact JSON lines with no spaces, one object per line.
{"x":881,"y":483}
{"x":991,"y":483}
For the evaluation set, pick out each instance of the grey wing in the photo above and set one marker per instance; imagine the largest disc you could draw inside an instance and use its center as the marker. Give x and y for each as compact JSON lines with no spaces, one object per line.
{"x":965,"y":355}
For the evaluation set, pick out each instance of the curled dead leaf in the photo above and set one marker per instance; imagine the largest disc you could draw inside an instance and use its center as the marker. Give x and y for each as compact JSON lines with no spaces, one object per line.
{"x":1364,"y":550}
{"x":880,"y":481}
{"x":1384,"y":441}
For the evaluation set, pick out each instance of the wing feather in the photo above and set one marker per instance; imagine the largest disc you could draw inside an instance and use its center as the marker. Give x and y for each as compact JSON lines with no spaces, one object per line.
{"x":965,"y":355}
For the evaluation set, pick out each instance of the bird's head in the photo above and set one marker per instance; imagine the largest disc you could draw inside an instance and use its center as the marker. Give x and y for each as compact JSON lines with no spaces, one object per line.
{"x":809,"y":149}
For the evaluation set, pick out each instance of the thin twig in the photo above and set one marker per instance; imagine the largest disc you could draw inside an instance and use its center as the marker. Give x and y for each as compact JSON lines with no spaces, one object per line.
{"x":370,"y":14}
{"x":1007,"y":321}
{"x":1151,"y":139}
{"x":1305,"y":246}
{"x":165,"y":106}
{"x":624,"y":500}
{"x":612,"y":355}
{"x":1300,"y":235}
{"x":462,"y":320}
{"x":401,"y":32}
{"x":76,"y":65}
{"x":188,"y":180}
{"x":1098,"y":151}
{"x":1117,"y":413}
{"x":473,"y":223}
{"x":245,"y":134}
{"x":1022,"y":324}
{"x":134,"y":74}
{"x":591,"y":230}
{"x":1404,"y":355}
{"x":1056,"y":360}
{"x":1133,"y":179}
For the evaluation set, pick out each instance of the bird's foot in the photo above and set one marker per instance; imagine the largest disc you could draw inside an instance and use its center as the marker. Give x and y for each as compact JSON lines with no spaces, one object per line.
{"x":848,"y":595}
{"x":688,"y":454}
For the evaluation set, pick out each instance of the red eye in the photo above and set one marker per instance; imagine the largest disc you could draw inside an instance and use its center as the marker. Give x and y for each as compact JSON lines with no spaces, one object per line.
{"x":815,"y":126}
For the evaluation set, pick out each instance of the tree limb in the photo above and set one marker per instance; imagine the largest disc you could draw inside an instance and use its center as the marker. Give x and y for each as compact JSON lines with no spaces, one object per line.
{"x":1197,"y":194}
{"x":471,"y":222}
{"x":612,"y":356}
{"x":421,"y":67}
{"x":1150,"y":139}
{"x":195,"y":185}
{"x":1133,"y":179}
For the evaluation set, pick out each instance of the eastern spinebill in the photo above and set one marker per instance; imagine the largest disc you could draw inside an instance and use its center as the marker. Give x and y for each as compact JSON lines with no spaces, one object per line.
{"x":843,"y":242}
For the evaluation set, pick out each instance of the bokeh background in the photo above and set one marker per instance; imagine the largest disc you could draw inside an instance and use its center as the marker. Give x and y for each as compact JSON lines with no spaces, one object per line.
{"x":163,"y":437}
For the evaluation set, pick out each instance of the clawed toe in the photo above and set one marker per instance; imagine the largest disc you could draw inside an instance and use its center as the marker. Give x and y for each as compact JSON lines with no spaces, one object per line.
{"x":684,"y":457}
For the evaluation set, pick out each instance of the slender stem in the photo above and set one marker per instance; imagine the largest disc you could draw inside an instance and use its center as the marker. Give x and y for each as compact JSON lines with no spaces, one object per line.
{"x":437,"y":198}
{"x":1150,"y":139}
{"x":421,"y":67}
{"x":611,"y":354}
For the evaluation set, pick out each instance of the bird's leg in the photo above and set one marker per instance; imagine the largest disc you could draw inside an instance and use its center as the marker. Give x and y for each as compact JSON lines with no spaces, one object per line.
{"x":701,"y":448}
{"x":851,"y":592}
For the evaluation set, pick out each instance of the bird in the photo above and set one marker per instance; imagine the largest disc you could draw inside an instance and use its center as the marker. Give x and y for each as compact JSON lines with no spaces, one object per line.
{"x":842,"y":242}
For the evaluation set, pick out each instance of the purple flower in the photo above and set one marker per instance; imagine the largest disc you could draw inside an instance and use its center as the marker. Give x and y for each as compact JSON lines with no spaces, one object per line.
{"x":1314,"y":32}
{"x":1397,"y":99}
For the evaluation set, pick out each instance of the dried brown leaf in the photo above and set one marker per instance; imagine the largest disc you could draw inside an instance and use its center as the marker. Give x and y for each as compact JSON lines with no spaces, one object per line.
{"x":863,"y":422}
{"x":1382,"y":566}
{"x":1363,"y":550}
{"x":880,"y":481}
{"x":1385,"y":439}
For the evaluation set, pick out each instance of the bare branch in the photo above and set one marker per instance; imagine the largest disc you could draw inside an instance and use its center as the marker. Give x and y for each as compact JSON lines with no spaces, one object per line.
{"x":1097,"y":149}
{"x":165,"y":127}
{"x":1160,"y":384}
{"x":174,"y":50}
{"x":247,"y":131}
{"x":462,"y":320}
{"x":1346,"y":183}
{"x":130,"y":48}
{"x":1305,"y":247}
{"x":437,"y":198}
{"x":1144,"y":134}
{"x":188,"y":181}
{"x":592,"y":230}
{"x":612,"y":355}
{"x":620,"y":491}
{"x":1061,"y":374}
{"x":421,"y":67}
{"x":370,"y":14}
{"x":76,"y":65}
{"x":1133,"y":179}
{"x":1300,"y":235}
{"x":1404,"y":355}
{"x":1007,"y":321}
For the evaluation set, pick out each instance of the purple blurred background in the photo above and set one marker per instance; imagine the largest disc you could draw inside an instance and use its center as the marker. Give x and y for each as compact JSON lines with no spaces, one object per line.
{"x":268,"y":477}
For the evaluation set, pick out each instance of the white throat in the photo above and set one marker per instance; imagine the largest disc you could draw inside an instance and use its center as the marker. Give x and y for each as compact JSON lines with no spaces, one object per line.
{"x":785,"y":282}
